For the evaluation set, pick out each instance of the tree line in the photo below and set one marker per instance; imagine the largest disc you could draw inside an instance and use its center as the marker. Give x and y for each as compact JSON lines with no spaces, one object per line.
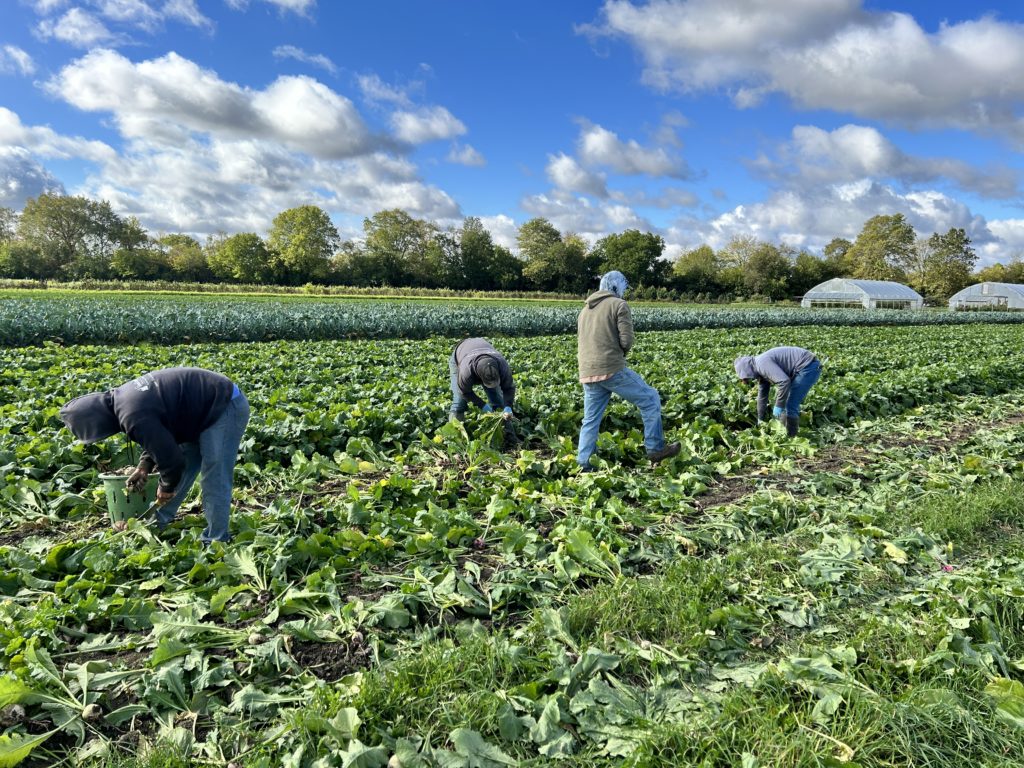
{"x":61,"y":237}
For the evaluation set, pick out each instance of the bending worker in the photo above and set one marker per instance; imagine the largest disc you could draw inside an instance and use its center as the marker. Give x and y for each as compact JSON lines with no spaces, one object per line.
{"x":605,"y":336}
{"x":792,"y":370}
{"x":189,"y":422}
{"x":475,"y":361}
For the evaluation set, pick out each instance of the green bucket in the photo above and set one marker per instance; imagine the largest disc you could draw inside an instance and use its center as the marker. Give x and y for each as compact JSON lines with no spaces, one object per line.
{"x":122,"y":503}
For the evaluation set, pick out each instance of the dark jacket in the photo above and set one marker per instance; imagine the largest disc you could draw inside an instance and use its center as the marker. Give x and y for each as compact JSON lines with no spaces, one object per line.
{"x":467,"y":354}
{"x":604,"y":335}
{"x":159,"y":410}
{"x":777,"y":366}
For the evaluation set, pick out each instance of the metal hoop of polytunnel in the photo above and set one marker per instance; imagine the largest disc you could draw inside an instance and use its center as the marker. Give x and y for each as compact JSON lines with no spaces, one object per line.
{"x":989,"y":295}
{"x":869,"y":294}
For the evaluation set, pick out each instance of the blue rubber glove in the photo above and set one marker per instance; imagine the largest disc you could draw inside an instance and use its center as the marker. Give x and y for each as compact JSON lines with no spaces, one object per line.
{"x":488,"y":408}
{"x":506,"y":413}
{"x":776,"y":411}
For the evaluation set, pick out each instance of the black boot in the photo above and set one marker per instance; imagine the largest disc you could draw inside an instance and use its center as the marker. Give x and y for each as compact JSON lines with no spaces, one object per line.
{"x":792,"y":425}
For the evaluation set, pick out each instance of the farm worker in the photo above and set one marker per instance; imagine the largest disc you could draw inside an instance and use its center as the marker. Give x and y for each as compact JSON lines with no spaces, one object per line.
{"x":605,"y":336}
{"x":475,"y":361}
{"x":792,"y":370}
{"x":189,"y":422}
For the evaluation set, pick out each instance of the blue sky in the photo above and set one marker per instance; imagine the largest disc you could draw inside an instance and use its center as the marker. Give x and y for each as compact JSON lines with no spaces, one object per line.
{"x":790,"y":120}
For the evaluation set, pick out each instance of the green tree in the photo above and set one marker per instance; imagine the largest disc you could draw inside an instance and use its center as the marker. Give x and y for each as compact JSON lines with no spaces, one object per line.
{"x":8,"y":224}
{"x":883,"y":249}
{"x":767,"y":272}
{"x":20,"y":259}
{"x":836,"y":257}
{"x":947,"y":264}
{"x":635,"y":254}
{"x":809,"y":271}
{"x":136,"y":258}
{"x":243,"y":258}
{"x":1013,"y":272}
{"x":57,"y":227}
{"x":554,"y":262}
{"x":697,"y":271}
{"x":507,"y":269}
{"x":185,"y":257}
{"x":302,"y":241}
{"x":397,"y":245}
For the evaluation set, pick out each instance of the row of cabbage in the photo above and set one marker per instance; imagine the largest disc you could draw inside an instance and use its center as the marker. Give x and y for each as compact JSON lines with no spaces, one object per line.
{"x":99,"y":320}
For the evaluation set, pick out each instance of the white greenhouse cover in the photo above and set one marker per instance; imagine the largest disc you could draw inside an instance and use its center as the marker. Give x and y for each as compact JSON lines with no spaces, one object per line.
{"x":847,"y":289}
{"x":981,"y":292}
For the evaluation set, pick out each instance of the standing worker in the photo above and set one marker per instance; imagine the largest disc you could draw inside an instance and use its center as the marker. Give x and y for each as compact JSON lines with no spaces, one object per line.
{"x":793,"y":371}
{"x":189,"y":422}
{"x":605,"y":336}
{"x":475,"y":361}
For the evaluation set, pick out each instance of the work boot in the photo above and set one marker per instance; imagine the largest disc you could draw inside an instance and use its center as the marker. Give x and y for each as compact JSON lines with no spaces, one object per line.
{"x":667,"y":452}
{"x":792,"y":425}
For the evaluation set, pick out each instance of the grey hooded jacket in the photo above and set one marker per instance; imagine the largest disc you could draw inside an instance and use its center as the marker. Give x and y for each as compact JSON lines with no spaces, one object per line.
{"x":468,"y":355}
{"x":777,"y":366}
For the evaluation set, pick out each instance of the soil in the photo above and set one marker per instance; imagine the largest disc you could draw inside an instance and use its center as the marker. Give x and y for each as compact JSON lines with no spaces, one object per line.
{"x":332,"y":661}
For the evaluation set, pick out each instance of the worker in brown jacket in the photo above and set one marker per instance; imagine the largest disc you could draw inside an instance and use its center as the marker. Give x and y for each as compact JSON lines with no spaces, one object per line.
{"x":605,"y":336}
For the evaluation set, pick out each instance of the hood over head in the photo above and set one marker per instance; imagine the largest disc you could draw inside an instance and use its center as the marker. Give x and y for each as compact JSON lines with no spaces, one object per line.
{"x":745,"y":367}
{"x":487,"y":369}
{"x":615,"y":283}
{"x":91,"y":417}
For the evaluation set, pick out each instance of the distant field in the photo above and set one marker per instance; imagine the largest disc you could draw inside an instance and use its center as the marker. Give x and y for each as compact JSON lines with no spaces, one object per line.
{"x":117,"y":318}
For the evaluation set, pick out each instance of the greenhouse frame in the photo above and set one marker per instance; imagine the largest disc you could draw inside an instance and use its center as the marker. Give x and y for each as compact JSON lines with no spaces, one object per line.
{"x":869,"y":294}
{"x":989,"y":295}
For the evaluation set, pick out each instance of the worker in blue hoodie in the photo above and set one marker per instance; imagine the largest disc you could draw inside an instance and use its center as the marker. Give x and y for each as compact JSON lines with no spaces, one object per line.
{"x":791,"y":370}
{"x":189,"y":422}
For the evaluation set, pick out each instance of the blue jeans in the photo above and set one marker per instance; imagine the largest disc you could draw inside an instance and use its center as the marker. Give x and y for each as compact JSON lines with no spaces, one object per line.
{"x":630,"y":386}
{"x":213,"y":458}
{"x":459,"y":404}
{"x":802,"y":383}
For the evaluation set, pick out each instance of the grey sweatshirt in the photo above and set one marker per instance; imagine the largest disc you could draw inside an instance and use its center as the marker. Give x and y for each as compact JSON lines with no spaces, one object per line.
{"x":777,"y":366}
{"x":467,"y":354}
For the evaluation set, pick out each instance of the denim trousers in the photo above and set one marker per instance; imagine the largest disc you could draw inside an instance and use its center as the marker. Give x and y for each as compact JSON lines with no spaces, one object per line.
{"x":630,"y":386}
{"x":802,"y":383}
{"x":213,"y":460}
{"x":459,"y":404}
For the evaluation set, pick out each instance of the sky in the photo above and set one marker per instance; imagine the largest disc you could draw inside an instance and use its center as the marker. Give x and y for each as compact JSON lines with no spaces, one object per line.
{"x":792,"y":121}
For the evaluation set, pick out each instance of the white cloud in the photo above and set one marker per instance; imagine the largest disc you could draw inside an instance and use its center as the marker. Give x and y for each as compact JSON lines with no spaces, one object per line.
{"x":811,"y":218}
{"x":465,"y":154}
{"x":317,"y":60}
{"x":43,"y":7}
{"x":375,"y":89}
{"x":503,"y":230}
{"x":832,"y":54}
{"x":851,"y":152}
{"x":76,"y":27}
{"x":171,"y":94}
{"x":14,"y":60}
{"x":134,"y":12}
{"x":567,"y":174}
{"x":301,"y":7}
{"x":186,"y":11}
{"x":579,"y":215}
{"x":45,"y":142}
{"x":600,"y":147}
{"x":22,"y":177}
{"x":426,"y":124}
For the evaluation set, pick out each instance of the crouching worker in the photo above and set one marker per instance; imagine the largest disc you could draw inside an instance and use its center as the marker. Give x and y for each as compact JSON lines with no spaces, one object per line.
{"x":605,"y":335}
{"x":189,"y":422}
{"x":792,"y":370}
{"x":472,"y":362}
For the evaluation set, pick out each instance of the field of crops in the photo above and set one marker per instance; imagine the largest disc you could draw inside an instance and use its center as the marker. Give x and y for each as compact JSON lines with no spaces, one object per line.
{"x":400,"y":593}
{"x":98,"y":319}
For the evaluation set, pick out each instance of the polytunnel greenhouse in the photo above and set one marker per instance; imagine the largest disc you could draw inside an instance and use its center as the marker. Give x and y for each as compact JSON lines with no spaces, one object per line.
{"x":989,"y":296}
{"x":869,"y":294}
